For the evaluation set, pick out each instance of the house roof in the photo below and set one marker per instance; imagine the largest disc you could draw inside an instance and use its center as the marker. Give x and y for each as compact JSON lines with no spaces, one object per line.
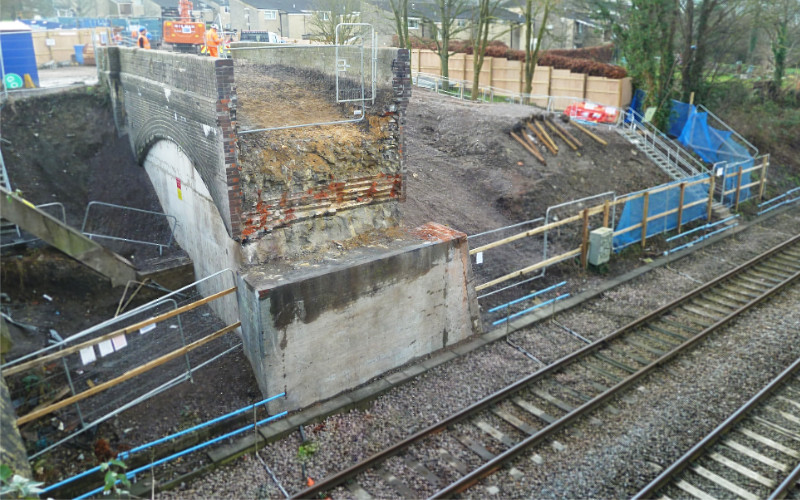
{"x":10,"y":26}
{"x":429,"y":10}
{"x":290,"y":6}
{"x":166,"y":4}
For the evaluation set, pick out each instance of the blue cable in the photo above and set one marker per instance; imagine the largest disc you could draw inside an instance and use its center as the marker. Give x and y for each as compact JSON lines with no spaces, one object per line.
{"x":124,"y":455}
{"x":186,"y":451}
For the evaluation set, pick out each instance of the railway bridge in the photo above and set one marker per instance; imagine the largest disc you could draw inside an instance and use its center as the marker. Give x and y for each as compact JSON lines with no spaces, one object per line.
{"x":286,"y":165}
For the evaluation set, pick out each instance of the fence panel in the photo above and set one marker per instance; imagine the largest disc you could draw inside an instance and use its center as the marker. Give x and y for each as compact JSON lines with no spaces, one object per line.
{"x":542,"y":79}
{"x":607,"y":91}
{"x":564,"y":83}
{"x":59,"y":45}
{"x":503,"y":74}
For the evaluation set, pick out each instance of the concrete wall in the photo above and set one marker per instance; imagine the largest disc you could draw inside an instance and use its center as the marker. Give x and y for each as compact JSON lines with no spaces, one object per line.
{"x":320,"y":58}
{"x":316,"y":334}
{"x":201,"y":230}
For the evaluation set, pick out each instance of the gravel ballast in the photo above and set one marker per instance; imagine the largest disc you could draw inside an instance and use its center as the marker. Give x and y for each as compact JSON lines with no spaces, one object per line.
{"x":613,"y":453}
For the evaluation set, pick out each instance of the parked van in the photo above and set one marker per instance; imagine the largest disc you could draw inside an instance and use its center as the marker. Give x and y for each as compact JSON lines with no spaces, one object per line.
{"x":259,"y":36}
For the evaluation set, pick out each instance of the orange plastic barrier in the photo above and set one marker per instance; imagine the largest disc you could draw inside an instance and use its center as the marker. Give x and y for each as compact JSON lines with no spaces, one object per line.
{"x":592,"y":112}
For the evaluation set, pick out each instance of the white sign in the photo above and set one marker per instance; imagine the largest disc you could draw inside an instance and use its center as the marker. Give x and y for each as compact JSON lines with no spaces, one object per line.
{"x":119,"y":342}
{"x":87,"y":355}
{"x":50,"y":42}
{"x":147,"y":328}
{"x":106,"y":347}
{"x":479,"y":258}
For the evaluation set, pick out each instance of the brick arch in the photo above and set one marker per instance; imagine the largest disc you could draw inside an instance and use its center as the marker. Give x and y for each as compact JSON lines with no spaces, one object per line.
{"x":188,"y":100}
{"x":159,"y":128}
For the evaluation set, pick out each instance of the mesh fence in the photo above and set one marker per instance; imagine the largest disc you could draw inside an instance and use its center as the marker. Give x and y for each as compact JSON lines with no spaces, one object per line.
{"x":304,"y":85}
{"x":127,"y":358}
{"x":127,"y":230}
{"x":512,"y":265}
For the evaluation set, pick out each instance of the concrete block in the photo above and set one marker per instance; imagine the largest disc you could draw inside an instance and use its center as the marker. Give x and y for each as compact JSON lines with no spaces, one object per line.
{"x":319,"y":331}
{"x":473,"y":344}
{"x":439,"y":359}
{"x":370,"y":391}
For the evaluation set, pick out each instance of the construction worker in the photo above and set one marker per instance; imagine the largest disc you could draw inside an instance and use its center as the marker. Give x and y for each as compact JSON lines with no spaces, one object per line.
{"x":213,"y":41}
{"x":143,"y":42}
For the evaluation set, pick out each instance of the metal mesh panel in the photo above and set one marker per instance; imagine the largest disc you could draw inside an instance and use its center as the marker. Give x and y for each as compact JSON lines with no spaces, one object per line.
{"x":299,"y":86}
{"x":42,"y":385}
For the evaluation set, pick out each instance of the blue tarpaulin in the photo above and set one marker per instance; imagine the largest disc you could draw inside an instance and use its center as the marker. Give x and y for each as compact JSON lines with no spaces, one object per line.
{"x":678,"y":116}
{"x":660,"y":202}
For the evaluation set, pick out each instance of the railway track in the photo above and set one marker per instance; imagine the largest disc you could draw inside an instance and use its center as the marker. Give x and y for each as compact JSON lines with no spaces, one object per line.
{"x":455,"y":454}
{"x":754,"y":454}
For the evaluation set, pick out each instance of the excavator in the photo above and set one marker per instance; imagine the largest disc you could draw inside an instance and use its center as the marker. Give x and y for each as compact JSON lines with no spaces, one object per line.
{"x":184,"y":34}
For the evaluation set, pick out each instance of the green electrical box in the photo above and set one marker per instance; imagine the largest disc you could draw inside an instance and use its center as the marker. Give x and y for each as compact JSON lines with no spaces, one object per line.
{"x":600,"y":241}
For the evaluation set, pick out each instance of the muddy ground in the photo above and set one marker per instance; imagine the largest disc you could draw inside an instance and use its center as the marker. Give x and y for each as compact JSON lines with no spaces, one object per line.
{"x":463,"y":170}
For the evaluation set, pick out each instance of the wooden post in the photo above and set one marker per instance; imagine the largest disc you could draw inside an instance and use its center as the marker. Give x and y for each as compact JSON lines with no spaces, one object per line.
{"x":585,"y":242}
{"x":541,"y":138}
{"x":691,"y":98}
{"x":738,"y":188}
{"x":590,"y":134}
{"x":680,"y":206}
{"x":491,"y":72}
{"x":606,"y":207}
{"x":710,"y":195}
{"x":552,"y":127}
{"x":546,"y":136}
{"x":419,"y":60}
{"x":764,"y":164}
{"x":644,"y":217}
{"x":531,"y":149}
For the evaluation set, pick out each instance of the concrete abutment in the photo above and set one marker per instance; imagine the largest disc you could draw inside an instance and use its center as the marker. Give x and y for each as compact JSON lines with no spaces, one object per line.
{"x":331,"y":291}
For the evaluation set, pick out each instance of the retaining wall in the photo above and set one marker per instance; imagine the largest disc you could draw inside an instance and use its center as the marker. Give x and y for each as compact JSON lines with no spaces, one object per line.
{"x":317,"y":333}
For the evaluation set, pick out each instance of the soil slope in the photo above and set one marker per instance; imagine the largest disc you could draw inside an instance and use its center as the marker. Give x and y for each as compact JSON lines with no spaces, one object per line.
{"x":465,"y":170}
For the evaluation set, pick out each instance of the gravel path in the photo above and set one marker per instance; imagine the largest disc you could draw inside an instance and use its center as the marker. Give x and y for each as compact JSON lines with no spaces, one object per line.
{"x":610,"y":455}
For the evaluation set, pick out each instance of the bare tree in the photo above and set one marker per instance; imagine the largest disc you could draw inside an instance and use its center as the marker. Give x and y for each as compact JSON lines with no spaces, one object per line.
{"x":781,"y":21}
{"x":482,"y":19}
{"x":330,"y":13}
{"x":400,"y":11}
{"x":443,"y":24}
{"x":706,"y":28}
{"x":531,"y":10}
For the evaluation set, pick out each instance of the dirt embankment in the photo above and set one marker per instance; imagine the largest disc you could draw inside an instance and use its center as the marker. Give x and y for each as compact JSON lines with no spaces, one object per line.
{"x":465,"y":170}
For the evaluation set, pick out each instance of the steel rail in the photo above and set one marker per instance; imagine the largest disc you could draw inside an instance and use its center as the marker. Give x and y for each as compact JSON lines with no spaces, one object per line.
{"x":712,"y":438}
{"x":465,"y":482}
{"x":490,"y":467}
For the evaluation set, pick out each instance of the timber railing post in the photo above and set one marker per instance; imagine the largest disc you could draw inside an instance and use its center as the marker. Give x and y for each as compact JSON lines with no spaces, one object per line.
{"x":606,"y":207}
{"x":738,"y":188}
{"x":711,"y":196}
{"x":585,"y":240}
{"x":680,"y":206}
{"x":644,"y":217}
{"x":764,"y":164}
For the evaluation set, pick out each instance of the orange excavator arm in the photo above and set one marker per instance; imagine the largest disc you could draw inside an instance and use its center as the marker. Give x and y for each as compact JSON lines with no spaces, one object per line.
{"x":185,"y":8}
